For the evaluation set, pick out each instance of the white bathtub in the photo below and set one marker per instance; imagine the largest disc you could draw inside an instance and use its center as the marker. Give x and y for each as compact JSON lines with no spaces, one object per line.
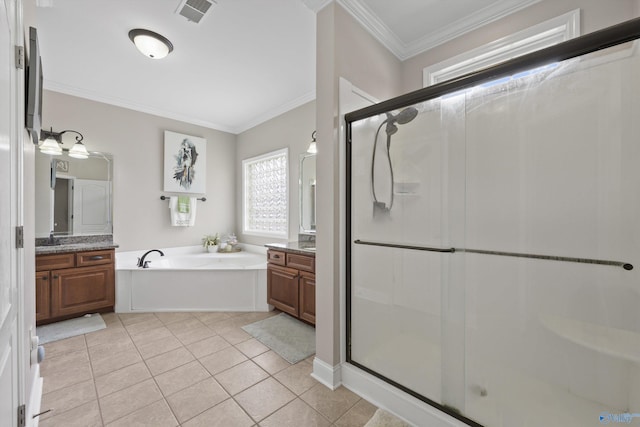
{"x":188,"y":279}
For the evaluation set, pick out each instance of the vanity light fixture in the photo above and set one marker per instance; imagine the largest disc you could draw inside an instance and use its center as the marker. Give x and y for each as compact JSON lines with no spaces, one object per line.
{"x":150,"y":44}
{"x":313,"y":146}
{"x":52,"y":144}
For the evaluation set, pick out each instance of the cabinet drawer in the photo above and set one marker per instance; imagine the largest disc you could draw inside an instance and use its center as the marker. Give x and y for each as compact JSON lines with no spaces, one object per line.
{"x":276,"y":257}
{"x":301,"y":262}
{"x":54,"y":261}
{"x":85,"y":259}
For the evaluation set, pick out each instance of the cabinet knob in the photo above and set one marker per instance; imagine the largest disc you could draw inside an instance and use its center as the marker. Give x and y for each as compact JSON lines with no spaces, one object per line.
{"x":55,"y":276}
{"x":276,"y":256}
{"x":45,"y":277}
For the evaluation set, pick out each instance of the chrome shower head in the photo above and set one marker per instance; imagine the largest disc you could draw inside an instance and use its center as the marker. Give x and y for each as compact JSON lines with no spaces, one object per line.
{"x":403,"y":117}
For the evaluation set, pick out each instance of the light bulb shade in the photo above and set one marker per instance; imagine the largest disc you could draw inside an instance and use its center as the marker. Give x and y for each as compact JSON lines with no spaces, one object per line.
{"x":313,"y":148}
{"x":79,"y":151}
{"x":50,"y":146}
{"x":150,"y":44}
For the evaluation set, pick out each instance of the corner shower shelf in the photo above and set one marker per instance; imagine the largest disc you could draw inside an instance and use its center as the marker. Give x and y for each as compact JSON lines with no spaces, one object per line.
{"x":619,"y":343}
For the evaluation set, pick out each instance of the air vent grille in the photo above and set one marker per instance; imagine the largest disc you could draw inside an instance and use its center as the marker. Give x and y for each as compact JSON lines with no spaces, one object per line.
{"x":194,"y":10}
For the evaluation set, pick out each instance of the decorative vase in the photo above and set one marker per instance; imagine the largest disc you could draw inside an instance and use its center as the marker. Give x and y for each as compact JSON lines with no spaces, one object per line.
{"x":212,"y":248}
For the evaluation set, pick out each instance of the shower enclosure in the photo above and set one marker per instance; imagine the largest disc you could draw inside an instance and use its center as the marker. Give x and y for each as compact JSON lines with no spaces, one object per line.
{"x":492,"y":238}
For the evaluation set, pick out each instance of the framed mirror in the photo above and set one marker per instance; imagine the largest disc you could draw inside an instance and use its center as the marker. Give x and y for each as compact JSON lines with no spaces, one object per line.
{"x":307,"y":193}
{"x":74,"y":196}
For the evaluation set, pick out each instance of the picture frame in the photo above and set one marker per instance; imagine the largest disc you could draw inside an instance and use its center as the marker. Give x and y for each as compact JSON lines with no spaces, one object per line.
{"x":185,"y":163}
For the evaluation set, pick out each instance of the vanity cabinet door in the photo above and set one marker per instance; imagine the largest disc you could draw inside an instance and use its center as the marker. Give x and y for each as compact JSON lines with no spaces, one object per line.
{"x":43,"y":295}
{"x":282,"y":289}
{"x":82,"y":290}
{"x":308,"y":297}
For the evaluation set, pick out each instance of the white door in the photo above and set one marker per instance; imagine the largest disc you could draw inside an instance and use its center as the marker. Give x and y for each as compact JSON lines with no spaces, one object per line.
{"x":91,"y":201}
{"x":9,"y":373}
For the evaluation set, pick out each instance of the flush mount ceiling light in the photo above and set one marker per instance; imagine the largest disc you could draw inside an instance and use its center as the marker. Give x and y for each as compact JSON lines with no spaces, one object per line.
{"x":150,"y":44}
{"x":52,"y":144}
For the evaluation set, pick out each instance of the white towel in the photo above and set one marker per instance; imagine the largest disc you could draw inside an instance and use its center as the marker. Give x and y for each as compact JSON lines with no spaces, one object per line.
{"x":182,"y":219}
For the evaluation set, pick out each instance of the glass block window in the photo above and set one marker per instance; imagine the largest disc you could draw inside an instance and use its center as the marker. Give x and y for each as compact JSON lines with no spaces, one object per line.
{"x":266,"y":198}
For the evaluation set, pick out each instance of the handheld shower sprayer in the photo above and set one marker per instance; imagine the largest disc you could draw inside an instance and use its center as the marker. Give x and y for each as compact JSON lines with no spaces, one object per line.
{"x":403,"y":117}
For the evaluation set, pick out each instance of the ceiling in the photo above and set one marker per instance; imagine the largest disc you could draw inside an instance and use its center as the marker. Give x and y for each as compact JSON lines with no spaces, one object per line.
{"x":245,"y":62}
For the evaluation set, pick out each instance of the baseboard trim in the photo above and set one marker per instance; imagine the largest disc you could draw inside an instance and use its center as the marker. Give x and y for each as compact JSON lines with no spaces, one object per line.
{"x":395,"y":401}
{"x":328,"y":375}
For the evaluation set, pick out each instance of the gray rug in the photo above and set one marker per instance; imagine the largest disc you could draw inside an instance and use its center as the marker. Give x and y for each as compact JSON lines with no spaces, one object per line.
{"x":70,"y":328}
{"x":289,"y":337}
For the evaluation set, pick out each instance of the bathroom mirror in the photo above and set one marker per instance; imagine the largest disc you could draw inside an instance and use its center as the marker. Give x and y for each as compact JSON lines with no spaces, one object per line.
{"x":307,"y":193}
{"x":73,"y":196}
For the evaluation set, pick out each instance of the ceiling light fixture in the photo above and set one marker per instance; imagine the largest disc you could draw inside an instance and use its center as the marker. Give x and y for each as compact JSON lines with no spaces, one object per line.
{"x":151,"y":44}
{"x":313,"y":146}
{"x":52,"y":144}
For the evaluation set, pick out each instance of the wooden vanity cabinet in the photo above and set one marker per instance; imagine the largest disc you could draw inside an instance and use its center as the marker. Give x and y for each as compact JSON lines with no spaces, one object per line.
{"x":291,"y":284}
{"x":72,"y":284}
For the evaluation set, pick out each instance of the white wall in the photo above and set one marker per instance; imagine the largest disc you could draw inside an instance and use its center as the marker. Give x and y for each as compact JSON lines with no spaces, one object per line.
{"x":595,"y":15}
{"x":136,"y":140}
{"x":290,"y":130}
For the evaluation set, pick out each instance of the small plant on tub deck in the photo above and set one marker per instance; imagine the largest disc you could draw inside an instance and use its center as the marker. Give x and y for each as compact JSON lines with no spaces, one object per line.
{"x":210,"y":241}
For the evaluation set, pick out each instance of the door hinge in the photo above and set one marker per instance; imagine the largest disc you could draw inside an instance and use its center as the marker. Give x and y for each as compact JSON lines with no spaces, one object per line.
{"x":19,"y":237}
{"x":22,"y":418}
{"x":20,"y":57}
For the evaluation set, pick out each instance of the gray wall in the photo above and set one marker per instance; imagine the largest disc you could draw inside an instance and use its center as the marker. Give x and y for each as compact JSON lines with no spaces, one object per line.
{"x":290,"y":130}
{"x":136,"y":140}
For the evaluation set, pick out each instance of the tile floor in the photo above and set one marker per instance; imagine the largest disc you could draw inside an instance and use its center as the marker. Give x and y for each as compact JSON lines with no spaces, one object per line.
{"x":186,"y":369}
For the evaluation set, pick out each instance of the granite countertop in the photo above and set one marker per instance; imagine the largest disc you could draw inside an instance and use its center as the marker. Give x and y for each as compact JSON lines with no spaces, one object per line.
{"x":75,"y":244}
{"x":304,"y":248}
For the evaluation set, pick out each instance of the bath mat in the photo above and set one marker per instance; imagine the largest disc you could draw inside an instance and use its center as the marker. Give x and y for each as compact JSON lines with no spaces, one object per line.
{"x":290,"y":338}
{"x":384,"y":419}
{"x":70,"y":328}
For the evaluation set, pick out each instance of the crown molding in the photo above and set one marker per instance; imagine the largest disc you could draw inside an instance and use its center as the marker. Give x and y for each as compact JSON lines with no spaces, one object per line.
{"x":370,"y":21}
{"x":123,"y":103}
{"x":316,"y":5}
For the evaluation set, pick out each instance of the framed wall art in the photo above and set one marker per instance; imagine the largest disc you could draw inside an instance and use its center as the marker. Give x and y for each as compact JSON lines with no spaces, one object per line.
{"x":185,"y":163}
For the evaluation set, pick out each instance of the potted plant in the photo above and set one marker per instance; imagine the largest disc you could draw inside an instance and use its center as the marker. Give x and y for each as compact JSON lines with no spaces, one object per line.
{"x":210,"y":243}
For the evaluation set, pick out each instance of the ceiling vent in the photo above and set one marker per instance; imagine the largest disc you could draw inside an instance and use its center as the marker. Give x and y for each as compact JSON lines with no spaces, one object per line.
{"x":194,"y":10}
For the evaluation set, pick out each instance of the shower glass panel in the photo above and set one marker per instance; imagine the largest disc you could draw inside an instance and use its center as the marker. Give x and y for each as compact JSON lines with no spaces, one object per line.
{"x":493,"y":232}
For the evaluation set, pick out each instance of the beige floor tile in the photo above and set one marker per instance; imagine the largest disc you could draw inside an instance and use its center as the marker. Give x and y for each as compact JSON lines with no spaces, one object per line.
{"x":194,"y":335}
{"x":151,"y":335}
{"x":140,"y":327}
{"x":264,"y":398}
{"x":67,"y":398}
{"x":168,"y":361}
{"x":222,"y":360}
{"x":295,"y":414}
{"x":172,"y":317}
{"x":332,"y":404}
{"x":124,"y":402}
{"x":131,"y":318}
{"x":226,"y":325}
{"x":181,"y":377}
{"x":252,"y":348}
{"x":105,"y":365}
{"x":240,"y":377}
{"x":111,"y":319}
{"x":271,"y":362}
{"x":57,"y":348}
{"x":157,"y":347}
{"x":122,"y":378}
{"x":208,"y":346}
{"x":225,"y":414}
{"x":211,"y":318}
{"x":358,"y":415}
{"x":111,"y":335}
{"x":185,"y":325}
{"x":235,"y":335}
{"x":196,"y":399}
{"x":65,"y":370}
{"x":107,"y":351}
{"x":87,"y":415}
{"x":157,"y":414}
{"x":297,"y":378}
